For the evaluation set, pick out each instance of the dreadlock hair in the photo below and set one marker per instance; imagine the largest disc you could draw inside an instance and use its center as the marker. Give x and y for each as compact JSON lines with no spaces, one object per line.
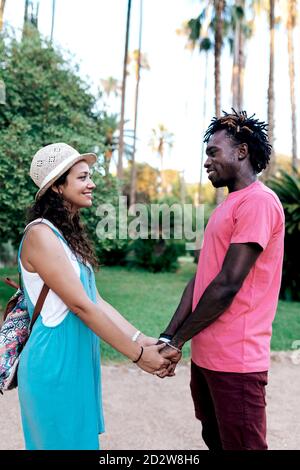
{"x":51,"y":206}
{"x":244,"y":129}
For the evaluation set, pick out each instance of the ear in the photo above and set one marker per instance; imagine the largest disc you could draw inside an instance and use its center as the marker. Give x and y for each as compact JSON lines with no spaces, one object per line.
{"x":56,"y":189}
{"x":243,"y":151}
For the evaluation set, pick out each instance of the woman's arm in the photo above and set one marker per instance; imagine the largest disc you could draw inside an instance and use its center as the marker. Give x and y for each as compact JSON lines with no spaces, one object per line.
{"x":48,"y":258}
{"x":127,"y":328}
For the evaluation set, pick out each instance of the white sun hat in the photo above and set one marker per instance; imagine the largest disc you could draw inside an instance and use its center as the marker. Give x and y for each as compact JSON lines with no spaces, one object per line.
{"x":52,"y":161}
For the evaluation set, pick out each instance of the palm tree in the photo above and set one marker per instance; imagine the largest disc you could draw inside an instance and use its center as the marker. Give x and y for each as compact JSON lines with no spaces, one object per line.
{"x":161,"y":138}
{"x":122,"y":118}
{"x":110,"y":86}
{"x":140,"y":62}
{"x":219,"y":11}
{"x":52,"y":22}
{"x":34,"y":14}
{"x":197,"y":32}
{"x":2,"y":6}
{"x":271,"y":101}
{"x":290,"y":25}
{"x":239,"y":32}
{"x":110,"y":129}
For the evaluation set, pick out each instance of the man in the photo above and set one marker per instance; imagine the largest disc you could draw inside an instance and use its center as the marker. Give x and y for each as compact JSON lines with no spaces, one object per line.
{"x":228,"y":308}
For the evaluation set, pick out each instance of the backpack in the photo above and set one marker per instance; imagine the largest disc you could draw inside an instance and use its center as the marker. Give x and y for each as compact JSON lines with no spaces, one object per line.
{"x":14,"y":333}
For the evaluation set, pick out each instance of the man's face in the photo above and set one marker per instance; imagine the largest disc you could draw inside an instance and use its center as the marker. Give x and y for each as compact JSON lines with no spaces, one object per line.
{"x":222,"y":163}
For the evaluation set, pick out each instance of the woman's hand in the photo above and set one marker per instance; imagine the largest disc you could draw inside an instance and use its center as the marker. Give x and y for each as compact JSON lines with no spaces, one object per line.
{"x":151,"y":360}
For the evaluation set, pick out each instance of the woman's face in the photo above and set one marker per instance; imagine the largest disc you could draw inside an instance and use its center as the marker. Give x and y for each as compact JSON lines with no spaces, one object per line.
{"x":78,"y":188}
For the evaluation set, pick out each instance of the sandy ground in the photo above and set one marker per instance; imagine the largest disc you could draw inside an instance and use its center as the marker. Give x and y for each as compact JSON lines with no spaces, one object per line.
{"x":144,"y":412}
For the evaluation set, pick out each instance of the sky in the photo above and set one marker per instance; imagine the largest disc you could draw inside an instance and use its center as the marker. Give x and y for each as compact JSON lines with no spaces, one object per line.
{"x":171,"y":92}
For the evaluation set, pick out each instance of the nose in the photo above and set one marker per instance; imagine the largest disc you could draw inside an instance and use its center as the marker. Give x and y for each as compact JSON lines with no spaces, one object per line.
{"x":91,"y":184}
{"x":207,"y":163}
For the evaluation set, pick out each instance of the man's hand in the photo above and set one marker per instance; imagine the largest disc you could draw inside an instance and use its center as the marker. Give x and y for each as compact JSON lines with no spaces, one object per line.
{"x":174,"y":356}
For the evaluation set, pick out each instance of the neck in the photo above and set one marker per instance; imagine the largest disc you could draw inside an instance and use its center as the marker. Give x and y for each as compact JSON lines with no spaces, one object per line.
{"x":241,"y":182}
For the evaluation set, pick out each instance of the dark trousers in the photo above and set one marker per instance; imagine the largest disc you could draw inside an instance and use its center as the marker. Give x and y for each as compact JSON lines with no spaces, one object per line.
{"x":231,"y":407}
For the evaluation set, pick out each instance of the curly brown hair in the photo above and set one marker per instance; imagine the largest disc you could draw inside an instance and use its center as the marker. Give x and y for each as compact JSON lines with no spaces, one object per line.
{"x":51,"y":206}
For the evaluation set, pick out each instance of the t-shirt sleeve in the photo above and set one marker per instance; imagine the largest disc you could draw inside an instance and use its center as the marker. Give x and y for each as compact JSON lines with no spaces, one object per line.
{"x":255,"y":220}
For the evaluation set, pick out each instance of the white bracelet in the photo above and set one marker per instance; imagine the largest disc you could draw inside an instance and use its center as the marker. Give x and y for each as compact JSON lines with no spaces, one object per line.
{"x":164,"y":340}
{"x":136,"y":335}
{"x":174,"y":347}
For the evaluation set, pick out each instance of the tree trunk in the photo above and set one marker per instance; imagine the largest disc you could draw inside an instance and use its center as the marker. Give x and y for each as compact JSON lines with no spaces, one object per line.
{"x":235,"y":69}
{"x":203,"y":126}
{"x":271,"y":167}
{"x":290,"y":28}
{"x":25,"y":23}
{"x":219,"y":8}
{"x":133,"y":166}
{"x":122,"y":117}
{"x":238,"y":62}
{"x":2,"y":6}
{"x":53,"y":17}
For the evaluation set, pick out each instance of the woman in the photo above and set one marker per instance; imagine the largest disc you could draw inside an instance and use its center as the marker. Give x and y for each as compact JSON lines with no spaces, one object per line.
{"x":59,"y":378}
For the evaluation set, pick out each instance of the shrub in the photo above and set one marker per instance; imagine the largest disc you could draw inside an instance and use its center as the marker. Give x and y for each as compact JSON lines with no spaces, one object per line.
{"x":287,"y":187}
{"x":156,"y":255}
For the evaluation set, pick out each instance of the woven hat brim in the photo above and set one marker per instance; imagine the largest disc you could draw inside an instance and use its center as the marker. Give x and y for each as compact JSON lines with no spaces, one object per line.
{"x":90,"y":158}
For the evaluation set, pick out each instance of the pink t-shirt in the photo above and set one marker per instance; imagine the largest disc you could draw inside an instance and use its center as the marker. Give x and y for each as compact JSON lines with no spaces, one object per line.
{"x":239,"y":340}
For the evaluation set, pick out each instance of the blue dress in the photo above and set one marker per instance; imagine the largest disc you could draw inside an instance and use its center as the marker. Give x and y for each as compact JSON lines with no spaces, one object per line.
{"x":59,"y":380}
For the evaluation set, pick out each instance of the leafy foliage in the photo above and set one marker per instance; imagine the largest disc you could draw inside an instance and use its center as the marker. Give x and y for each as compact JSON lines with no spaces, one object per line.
{"x":46,"y":101}
{"x":287,"y":187}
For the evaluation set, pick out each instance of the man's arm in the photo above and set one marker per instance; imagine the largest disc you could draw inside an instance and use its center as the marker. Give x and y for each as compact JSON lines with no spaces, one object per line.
{"x":220,"y":293}
{"x":183,"y":310}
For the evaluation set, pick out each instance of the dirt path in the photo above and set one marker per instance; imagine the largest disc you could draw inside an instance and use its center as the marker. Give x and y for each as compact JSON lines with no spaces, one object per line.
{"x":144,"y":412}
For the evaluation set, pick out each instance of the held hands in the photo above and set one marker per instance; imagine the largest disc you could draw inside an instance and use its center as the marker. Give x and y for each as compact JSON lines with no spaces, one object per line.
{"x":152,"y":361}
{"x":174,"y":356}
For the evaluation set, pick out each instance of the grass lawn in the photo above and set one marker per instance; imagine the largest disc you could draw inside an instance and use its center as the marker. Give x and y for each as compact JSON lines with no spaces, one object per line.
{"x":148,"y":300}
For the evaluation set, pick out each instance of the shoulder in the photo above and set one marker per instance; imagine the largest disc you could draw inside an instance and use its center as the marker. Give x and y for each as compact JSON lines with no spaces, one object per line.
{"x":262,"y":196}
{"x":41,"y":235}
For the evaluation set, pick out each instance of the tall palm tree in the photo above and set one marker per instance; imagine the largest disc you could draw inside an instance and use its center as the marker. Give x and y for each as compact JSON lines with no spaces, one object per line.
{"x":122,"y":117}
{"x":137,"y":54}
{"x":52,"y":21}
{"x":32,"y":19}
{"x":197,"y":31}
{"x":271,"y":95}
{"x":290,"y":25}
{"x":219,"y":12}
{"x":140,"y":62}
{"x":239,"y":31}
{"x":110,"y":86}
{"x":2,"y":6}
{"x":160,"y":139}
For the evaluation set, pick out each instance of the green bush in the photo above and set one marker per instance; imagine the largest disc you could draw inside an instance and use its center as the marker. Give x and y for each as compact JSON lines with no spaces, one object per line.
{"x":46,"y":101}
{"x":156,"y":255}
{"x":287,"y":188}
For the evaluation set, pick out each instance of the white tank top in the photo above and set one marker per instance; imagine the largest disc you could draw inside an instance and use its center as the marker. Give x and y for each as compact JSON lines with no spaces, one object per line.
{"x":54,"y":309}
